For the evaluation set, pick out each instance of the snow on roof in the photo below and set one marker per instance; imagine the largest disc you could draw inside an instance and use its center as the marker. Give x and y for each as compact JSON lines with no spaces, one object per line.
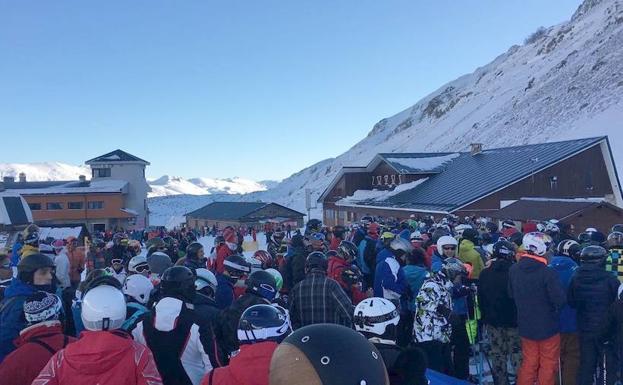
{"x":59,"y":232}
{"x":422,"y":164}
{"x":378,"y":195}
{"x":96,"y":186}
{"x":112,"y":157}
{"x":130,"y":211}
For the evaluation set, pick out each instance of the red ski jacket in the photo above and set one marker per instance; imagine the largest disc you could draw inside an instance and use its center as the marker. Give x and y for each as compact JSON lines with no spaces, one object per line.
{"x":249,"y":367}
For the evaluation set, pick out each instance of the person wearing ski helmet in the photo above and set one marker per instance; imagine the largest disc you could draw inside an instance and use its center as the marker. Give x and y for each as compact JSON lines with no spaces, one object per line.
{"x":275,"y":242}
{"x":194,"y":258}
{"x":227,"y":248}
{"x":38,"y":341}
{"x":539,"y":297}
{"x":102,"y":355}
{"x":139,"y":265}
{"x":184,"y":353}
{"x":261,"y":289}
{"x":312,"y":226}
{"x":294,"y":268}
{"x":260,"y":329}
{"x":338,"y":233}
{"x":592,"y":291}
{"x":389,"y":278}
{"x":30,"y":239}
{"x":265,"y":258}
{"x":446,"y":247}
{"x":341,"y":269}
{"x":205,"y":304}
{"x":117,"y":269}
{"x":468,"y":252}
{"x":317,"y":298}
{"x":35,"y":272}
{"x":366,"y":260}
{"x":235,"y":267}
{"x":564,"y":262}
{"x":315,"y":355}
{"x":499,"y":313}
{"x":137,"y":289}
{"x":614,"y":262}
{"x":492,"y":228}
{"x":508,"y":228}
{"x":97,"y":257}
{"x":377,"y":319}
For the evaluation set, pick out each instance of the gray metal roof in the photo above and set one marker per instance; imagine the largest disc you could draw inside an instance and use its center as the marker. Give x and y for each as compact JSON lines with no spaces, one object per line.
{"x":226,"y":210}
{"x":116,"y":156}
{"x":467,"y":177}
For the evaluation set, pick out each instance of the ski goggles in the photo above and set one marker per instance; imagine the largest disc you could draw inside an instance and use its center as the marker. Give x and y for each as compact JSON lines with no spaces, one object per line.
{"x":116,"y":261}
{"x":142,"y":268}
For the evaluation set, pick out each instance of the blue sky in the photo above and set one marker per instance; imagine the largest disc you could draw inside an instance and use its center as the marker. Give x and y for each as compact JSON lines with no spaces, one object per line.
{"x":257,"y":89}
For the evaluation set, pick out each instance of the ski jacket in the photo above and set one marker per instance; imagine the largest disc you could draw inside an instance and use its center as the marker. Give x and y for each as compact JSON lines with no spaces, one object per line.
{"x":496,"y":306}
{"x":591,"y":292}
{"x":414,"y":277}
{"x":336,"y":267}
{"x":120,"y":275}
{"x":382,"y":255}
{"x":101,"y":357}
{"x":27,"y":250}
{"x":250,"y":366}
{"x":295,"y":266}
{"x":222,"y":252}
{"x":318,"y":299}
{"x":565,"y":267}
{"x":205,"y":308}
{"x":366,"y":259}
{"x":183,"y":352}
{"x":35,"y":346}
{"x":614,"y":263}
{"x":12,"y":314}
{"x":469,"y":254}
{"x":389,"y":279}
{"x":224,"y":295}
{"x":61,"y":262}
{"x":433,"y":307}
{"x":538,"y":295}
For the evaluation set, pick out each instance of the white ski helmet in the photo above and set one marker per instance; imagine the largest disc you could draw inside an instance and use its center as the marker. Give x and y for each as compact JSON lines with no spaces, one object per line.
{"x":460,"y":228}
{"x":138,"y":287}
{"x":136,"y":262}
{"x":103,"y":308}
{"x":374,"y":315}
{"x":205,"y":278}
{"x":446,"y":240}
{"x":536,"y":243}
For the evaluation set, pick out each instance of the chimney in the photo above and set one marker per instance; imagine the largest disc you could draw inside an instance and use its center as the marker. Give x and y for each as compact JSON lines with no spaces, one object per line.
{"x":8,"y":179}
{"x":82,"y":178}
{"x":22,"y":177}
{"x":475,"y":148}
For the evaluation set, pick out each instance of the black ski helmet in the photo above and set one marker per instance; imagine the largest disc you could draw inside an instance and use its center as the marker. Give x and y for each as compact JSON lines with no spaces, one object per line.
{"x":158,"y":262}
{"x":313,"y":226}
{"x":263,"y":284}
{"x":327,"y":354}
{"x":316,"y":260}
{"x":178,"y":282}
{"x":347,"y":250}
{"x":593,"y":255}
{"x":491,"y":227}
{"x":237,"y":266}
{"x":618,"y":227}
{"x":504,"y":249}
{"x":472,"y":235}
{"x":30,"y":235}
{"x":192,"y":250}
{"x":260,"y":323}
{"x":516,"y":238}
{"x":28,"y":265}
{"x":569,"y":248}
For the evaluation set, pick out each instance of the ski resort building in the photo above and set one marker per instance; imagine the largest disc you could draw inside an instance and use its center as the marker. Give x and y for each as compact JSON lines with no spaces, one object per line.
{"x":254,"y":214}
{"x":480,"y":182}
{"x":116,"y":195}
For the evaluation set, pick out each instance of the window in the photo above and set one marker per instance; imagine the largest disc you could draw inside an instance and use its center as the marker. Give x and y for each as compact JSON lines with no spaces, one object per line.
{"x":75,"y":205}
{"x":54,"y":206}
{"x":34,"y":206}
{"x":96,"y":205}
{"x":101,"y":172}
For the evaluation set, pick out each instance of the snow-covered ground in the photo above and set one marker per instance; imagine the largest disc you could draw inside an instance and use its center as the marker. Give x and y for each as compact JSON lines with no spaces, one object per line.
{"x":172,"y":185}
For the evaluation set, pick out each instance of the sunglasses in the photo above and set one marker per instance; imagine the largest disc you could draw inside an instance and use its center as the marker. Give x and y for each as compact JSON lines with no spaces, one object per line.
{"x":449,"y":247}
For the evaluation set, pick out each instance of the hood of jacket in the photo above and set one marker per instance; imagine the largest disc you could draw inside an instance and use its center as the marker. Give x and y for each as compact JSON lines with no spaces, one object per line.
{"x":97,"y":352}
{"x":501,"y":265}
{"x":42,"y":329}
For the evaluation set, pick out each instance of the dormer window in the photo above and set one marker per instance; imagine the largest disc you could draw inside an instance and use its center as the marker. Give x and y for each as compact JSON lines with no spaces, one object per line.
{"x":101,"y":172}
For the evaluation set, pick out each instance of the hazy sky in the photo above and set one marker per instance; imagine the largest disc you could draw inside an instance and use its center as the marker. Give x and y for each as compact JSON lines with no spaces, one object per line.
{"x":256,"y":89}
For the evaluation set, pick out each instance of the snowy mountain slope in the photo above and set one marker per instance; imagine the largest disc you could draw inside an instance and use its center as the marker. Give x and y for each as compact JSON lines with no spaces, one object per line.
{"x":44,"y":171}
{"x":566,"y":83}
{"x":172,"y":185}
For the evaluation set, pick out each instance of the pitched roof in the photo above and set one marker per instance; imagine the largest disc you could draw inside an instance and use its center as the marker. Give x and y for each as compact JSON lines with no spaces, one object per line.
{"x":116,"y":156}
{"x":458,"y":182}
{"x":226,"y":210}
{"x":544,"y":209}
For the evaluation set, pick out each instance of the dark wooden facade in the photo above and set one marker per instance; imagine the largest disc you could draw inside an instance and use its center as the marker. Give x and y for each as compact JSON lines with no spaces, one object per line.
{"x":583,"y":175}
{"x":270,"y":213}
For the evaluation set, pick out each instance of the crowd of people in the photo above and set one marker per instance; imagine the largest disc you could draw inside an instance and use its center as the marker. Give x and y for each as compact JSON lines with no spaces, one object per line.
{"x":379,"y":301}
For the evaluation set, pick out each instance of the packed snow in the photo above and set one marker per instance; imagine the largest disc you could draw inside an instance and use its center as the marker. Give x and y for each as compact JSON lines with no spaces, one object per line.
{"x":423,"y":164}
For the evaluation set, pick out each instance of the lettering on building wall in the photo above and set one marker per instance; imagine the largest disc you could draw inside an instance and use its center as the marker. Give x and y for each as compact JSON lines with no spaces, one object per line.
{"x":386,"y":180}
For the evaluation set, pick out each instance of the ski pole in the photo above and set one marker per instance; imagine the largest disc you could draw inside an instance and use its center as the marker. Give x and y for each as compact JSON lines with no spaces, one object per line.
{"x":559,"y":371}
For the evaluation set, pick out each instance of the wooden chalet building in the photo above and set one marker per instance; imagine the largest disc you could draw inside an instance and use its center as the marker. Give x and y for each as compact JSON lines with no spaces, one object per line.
{"x":479,"y":182}
{"x":254,"y":214}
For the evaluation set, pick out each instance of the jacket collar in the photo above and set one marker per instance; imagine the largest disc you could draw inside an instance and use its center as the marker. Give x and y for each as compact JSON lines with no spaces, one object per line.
{"x":38,"y":330}
{"x":543,"y":260}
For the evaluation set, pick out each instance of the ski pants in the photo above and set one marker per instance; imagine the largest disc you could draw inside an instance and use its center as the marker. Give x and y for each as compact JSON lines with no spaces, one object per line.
{"x":592,"y":354}
{"x":505,"y":345}
{"x":539,"y":361}
{"x":460,"y":347}
{"x":569,"y":358}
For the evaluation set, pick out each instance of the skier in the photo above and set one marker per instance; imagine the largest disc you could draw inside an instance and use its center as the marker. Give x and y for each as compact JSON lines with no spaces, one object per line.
{"x":184,"y":353}
{"x":117,"y":270}
{"x":341,"y":269}
{"x":227,"y":248}
{"x":137,"y":289}
{"x":205,"y":304}
{"x":34,"y":273}
{"x":234,"y":268}
{"x":377,"y":319}
{"x":102,"y":355}
{"x":389,"y":278}
{"x":139,"y":265}
{"x":260,"y":329}
{"x":42,"y":337}
{"x":194,"y":258}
